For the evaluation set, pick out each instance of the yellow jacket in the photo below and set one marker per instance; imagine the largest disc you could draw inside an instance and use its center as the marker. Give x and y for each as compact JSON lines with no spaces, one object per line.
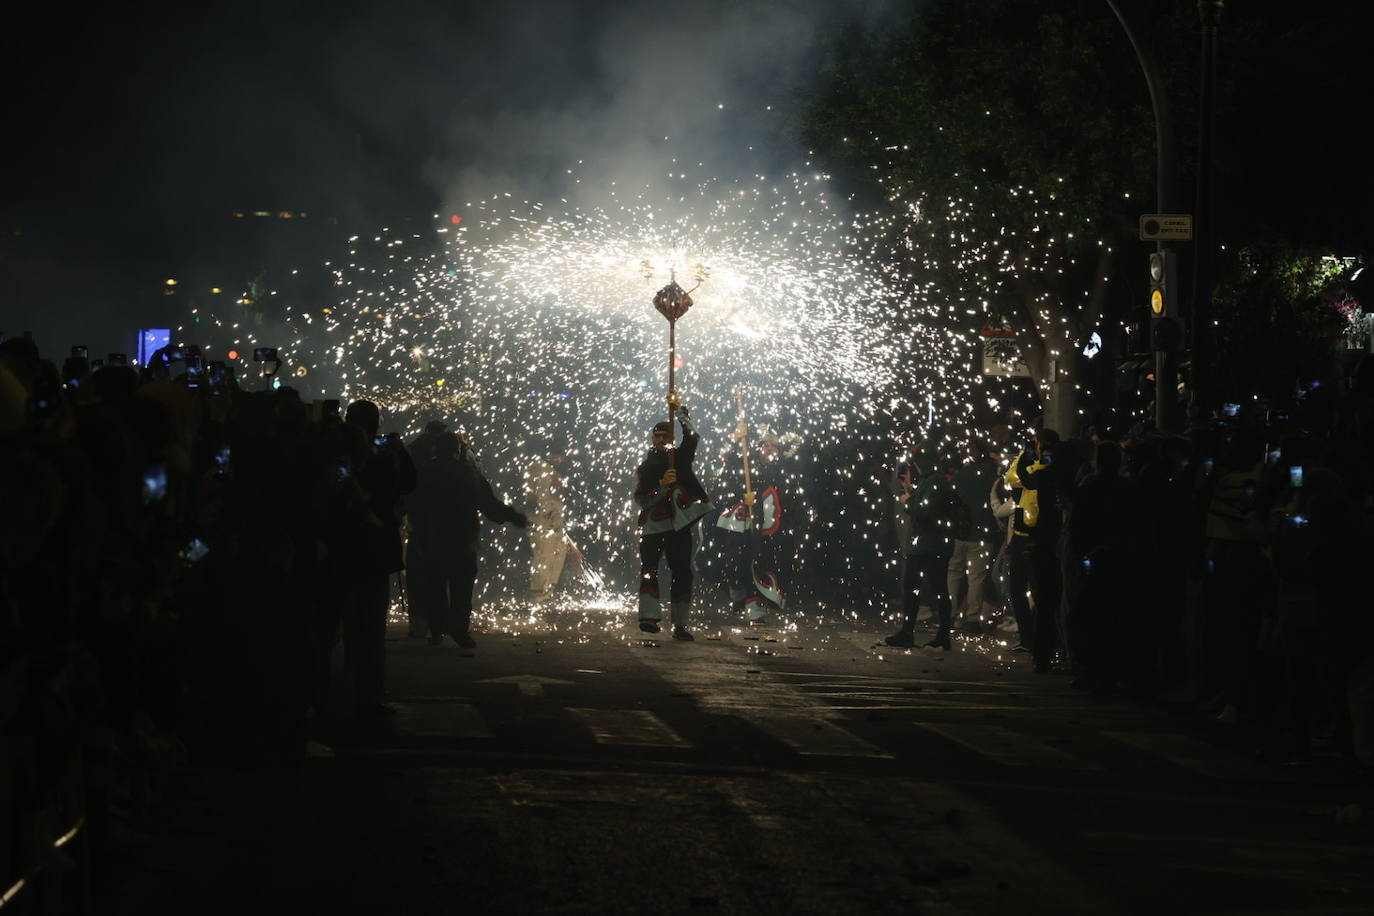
{"x":1028,"y":502}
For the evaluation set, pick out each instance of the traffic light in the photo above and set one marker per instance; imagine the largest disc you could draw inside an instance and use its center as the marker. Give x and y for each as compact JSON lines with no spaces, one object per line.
{"x":1166,"y":332}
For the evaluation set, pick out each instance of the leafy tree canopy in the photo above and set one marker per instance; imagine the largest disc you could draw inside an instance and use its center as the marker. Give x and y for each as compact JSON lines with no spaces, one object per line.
{"x":996,"y":95}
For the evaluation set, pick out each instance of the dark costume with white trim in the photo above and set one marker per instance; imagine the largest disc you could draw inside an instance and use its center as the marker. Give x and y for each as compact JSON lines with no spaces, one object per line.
{"x":666,"y":517}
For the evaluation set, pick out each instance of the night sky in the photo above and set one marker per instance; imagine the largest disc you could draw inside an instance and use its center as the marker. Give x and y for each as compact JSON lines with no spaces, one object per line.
{"x":140,"y":130}
{"x":135,"y":132}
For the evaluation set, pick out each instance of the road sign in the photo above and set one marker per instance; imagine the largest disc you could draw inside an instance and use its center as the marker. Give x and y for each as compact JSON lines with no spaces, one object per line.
{"x":1166,"y":227}
{"x":1003,"y":357}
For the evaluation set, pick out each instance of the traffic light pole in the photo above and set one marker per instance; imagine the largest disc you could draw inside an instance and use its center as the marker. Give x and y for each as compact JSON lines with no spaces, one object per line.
{"x":1165,"y":346}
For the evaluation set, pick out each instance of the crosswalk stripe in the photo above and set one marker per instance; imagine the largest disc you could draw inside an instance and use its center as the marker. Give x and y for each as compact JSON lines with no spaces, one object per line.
{"x":1008,"y":747}
{"x":636,"y":727}
{"x":440,"y":720}
{"x":1198,"y":756}
{"x":815,"y":737}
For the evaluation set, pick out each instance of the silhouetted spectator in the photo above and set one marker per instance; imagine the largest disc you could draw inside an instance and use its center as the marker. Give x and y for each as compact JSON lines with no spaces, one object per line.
{"x":1101,"y":533}
{"x":445,"y":534}
{"x":976,"y":535}
{"x":385,"y":473}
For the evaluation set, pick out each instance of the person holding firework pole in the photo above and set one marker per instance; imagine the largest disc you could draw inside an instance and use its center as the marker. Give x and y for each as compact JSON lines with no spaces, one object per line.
{"x":671,"y":499}
{"x":751,"y":529}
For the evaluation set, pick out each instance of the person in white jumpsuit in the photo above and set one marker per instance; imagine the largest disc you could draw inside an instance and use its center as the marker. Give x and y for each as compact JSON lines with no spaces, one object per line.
{"x":549,"y":544}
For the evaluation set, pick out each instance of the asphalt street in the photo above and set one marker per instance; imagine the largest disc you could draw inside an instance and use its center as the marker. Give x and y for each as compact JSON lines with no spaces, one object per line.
{"x":572,"y":764}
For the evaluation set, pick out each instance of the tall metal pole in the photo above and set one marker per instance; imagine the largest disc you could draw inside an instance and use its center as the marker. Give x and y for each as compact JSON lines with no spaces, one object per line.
{"x":1204,"y":219}
{"x":1159,"y":104}
{"x":1166,"y":363}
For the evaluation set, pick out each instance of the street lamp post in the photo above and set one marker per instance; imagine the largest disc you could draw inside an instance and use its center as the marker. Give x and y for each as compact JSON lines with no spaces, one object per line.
{"x":1204,"y":221}
{"x":1166,"y":362}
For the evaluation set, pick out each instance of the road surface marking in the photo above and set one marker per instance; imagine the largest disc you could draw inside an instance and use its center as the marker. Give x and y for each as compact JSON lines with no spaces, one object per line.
{"x":814,"y":736}
{"x":636,"y":727}
{"x":726,"y":684}
{"x":1008,"y":747}
{"x":848,"y":678}
{"x":1198,"y":756}
{"x":440,"y":720}
{"x":531,"y":685}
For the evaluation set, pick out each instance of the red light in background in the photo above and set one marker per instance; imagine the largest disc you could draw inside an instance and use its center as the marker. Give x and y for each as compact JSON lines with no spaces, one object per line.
{"x":233,"y":354}
{"x":455,"y":219}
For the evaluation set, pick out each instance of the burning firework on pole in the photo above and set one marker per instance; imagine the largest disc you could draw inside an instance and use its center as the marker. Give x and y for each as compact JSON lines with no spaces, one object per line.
{"x":673,"y":302}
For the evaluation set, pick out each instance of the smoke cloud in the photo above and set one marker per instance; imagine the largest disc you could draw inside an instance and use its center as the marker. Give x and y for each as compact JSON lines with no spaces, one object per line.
{"x":170,"y":120}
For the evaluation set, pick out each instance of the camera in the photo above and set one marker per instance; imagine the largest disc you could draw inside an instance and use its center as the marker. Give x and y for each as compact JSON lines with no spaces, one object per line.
{"x":219,"y":375}
{"x":155,"y":483}
{"x":343,"y":471}
{"x":116,"y":359}
{"x":1295,"y":475}
{"x":74,"y":369}
{"x":1231,"y":409}
{"x":195,"y":372}
{"x":46,"y":400}
{"x":80,"y":351}
{"x":268,"y":357}
{"x":194,"y":551}
{"x":222,"y":460}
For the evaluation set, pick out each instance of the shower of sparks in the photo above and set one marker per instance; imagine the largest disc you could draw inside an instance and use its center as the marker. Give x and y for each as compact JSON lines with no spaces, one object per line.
{"x":531,"y":328}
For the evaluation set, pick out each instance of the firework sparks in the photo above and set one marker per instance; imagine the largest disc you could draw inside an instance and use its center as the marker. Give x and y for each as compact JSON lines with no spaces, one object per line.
{"x":531,"y":327}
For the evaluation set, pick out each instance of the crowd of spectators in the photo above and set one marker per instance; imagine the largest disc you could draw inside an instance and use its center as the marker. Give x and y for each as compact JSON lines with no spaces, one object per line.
{"x":1221,"y":568}
{"x":157,"y":522}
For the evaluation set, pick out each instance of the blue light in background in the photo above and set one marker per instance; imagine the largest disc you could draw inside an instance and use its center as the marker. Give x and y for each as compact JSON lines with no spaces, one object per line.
{"x":150,"y":340}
